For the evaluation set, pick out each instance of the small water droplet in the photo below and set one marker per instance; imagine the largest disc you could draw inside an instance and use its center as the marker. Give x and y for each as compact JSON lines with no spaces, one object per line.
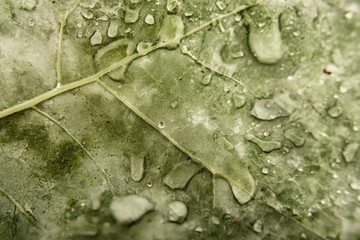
{"x":199,"y":229}
{"x":266,"y":134}
{"x":261,"y":24}
{"x":335,"y":176}
{"x":215,"y":220}
{"x":265,"y":170}
{"x":355,"y":185}
{"x":237,"y":18}
{"x":188,"y":14}
{"x":132,"y":15}
{"x":221,"y":5}
{"x":79,"y":34}
{"x":87,"y":15}
{"x":344,"y":88}
{"x":127,"y":30}
{"x":112,"y":29}
{"x":171,"y":5}
{"x":103,"y":18}
{"x":161,"y":124}
{"x":296,"y":33}
{"x":149,"y":19}
{"x":258,"y":226}
{"x":335,"y":111}
{"x":174,"y":104}
{"x":96,"y":38}
{"x":149,"y":184}
{"x":31,"y":22}
{"x":28,"y":5}
{"x":348,"y":15}
{"x":238,"y":100}
{"x":206,"y":79}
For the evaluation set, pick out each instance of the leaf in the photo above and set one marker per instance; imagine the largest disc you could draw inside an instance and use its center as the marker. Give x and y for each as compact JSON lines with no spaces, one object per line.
{"x":104,"y":100}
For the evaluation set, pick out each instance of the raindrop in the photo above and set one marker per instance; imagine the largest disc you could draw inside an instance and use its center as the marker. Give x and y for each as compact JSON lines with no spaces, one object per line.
{"x":31,"y":22}
{"x":215,"y":220}
{"x":177,"y":211}
{"x":350,"y":151}
{"x":171,"y":31}
{"x":87,"y":15}
{"x":96,"y":38}
{"x":127,"y":30}
{"x":335,"y":111}
{"x":161,"y":124}
{"x":188,"y":14}
{"x":132,"y":15}
{"x":266,"y":146}
{"x":266,"y":134}
{"x":149,"y":19}
{"x":238,"y":100}
{"x":221,"y":5}
{"x":295,"y":137}
{"x":335,"y":176}
{"x":199,"y":229}
{"x":206,"y":79}
{"x":267,"y":109}
{"x":137,"y":168}
{"x":171,"y":5}
{"x":28,"y":5}
{"x":142,"y":46}
{"x":296,"y":33}
{"x":344,"y":88}
{"x":149,"y":184}
{"x":265,"y":170}
{"x":174,"y":104}
{"x":103,"y":18}
{"x":355,"y":185}
{"x":258,"y":226}
{"x":112,"y":29}
{"x":237,"y":18}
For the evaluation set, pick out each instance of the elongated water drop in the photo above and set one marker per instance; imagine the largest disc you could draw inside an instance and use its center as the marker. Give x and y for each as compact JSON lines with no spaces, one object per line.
{"x":171,"y":30}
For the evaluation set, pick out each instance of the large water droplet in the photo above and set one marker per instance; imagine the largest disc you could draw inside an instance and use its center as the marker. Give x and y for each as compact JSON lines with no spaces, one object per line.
{"x":132,"y":15}
{"x":112,"y":53}
{"x":113,"y":29}
{"x":177,"y":211}
{"x":335,"y":111}
{"x":266,"y":146}
{"x":258,"y":226}
{"x":171,"y":5}
{"x":206,"y":79}
{"x":180,"y":174}
{"x":137,"y":168}
{"x":221,"y":5}
{"x":87,"y":15}
{"x":265,"y":42}
{"x":171,"y":30}
{"x":96,"y":38}
{"x":238,"y":100}
{"x":267,"y":109}
{"x":350,"y":151}
{"x":149,"y":19}
{"x":355,"y":185}
{"x":28,"y":5}
{"x":295,"y":137}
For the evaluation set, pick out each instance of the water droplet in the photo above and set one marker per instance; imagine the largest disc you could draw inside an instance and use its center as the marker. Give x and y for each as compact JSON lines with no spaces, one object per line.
{"x":265,"y":170}
{"x":130,"y":208}
{"x":350,"y":151}
{"x":266,"y":146}
{"x":127,"y":30}
{"x":344,"y":88}
{"x":348,"y":15}
{"x":295,"y":137}
{"x":149,"y":19}
{"x":142,"y":46}
{"x":132,"y":15}
{"x":261,"y":24}
{"x":215,"y":220}
{"x":149,"y":184}
{"x":180,"y":174}
{"x":28,"y":5}
{"x":79,"y":25}
{"x":96,"y":38}
{"x":137,"y":168}
{"x":177,"y":211}
{"x":112,"y":29}
{"x":171,"y":30}
{"x":221,"y":5}
{"x":79,"y":34}
{"x":199,"y":229}
{"x":223,"y":141}
{"x":329,"y":69}
{"x":335,"y":111}
{"x":87,"y":15}
{"x":267,"y":109}
{"x":258,"y":226}
{"x":237,"y":18}
{"x":266,"y":43}
{"x":171,"y":5}
{"x":206,"y":79}
{"x":335,"y":176}
{"x":161,"y":124}
{"x":355,"y":185}
{"x":174,"y":104}
{"x":188,"y":14}
{"x":238,"y":100}
{"x":31,"y":22}
{"x":112,"y":52}
{"x":296,"y":33}
{"x":103,"y":18}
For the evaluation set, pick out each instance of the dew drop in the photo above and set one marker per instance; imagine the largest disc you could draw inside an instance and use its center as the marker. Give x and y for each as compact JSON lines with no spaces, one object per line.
{"x":31,"y":22}
{"x":199,"y":229}
{"x":238,"y":100}
{"x":149,"y":184}
{"x":206,"y":79}
{"x":221,"y":5}
{"x":142,"y":46}
{"x":87,"y":15}
{"x":132,"y":15}
{"x":335,"y":111}
{"x":112,"y":29}
{"x":127,"y":30}
{"x":161,"y":124}
{"x":149,"y":19}
{"x":137,"y":168}
{"x":96,"y":38}
{"x":296,"y":33}
{"x":258,"y":226}
{"x":265,"y":170}
{"x":28,"y":5}
{"x":266,"y":44}
{"x":171,"y":30}
{"x":350,"y":151}
{"x":171,"y":5}
{"x":355,"y":185}
{"x":188,"y":14}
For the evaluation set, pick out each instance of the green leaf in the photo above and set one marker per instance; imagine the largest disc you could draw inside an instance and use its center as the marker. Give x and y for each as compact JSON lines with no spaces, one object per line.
{"x":179,"y":119}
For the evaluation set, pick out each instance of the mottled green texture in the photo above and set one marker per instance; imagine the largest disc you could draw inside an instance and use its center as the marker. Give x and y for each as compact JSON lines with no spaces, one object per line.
{"x":226,"y":119}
